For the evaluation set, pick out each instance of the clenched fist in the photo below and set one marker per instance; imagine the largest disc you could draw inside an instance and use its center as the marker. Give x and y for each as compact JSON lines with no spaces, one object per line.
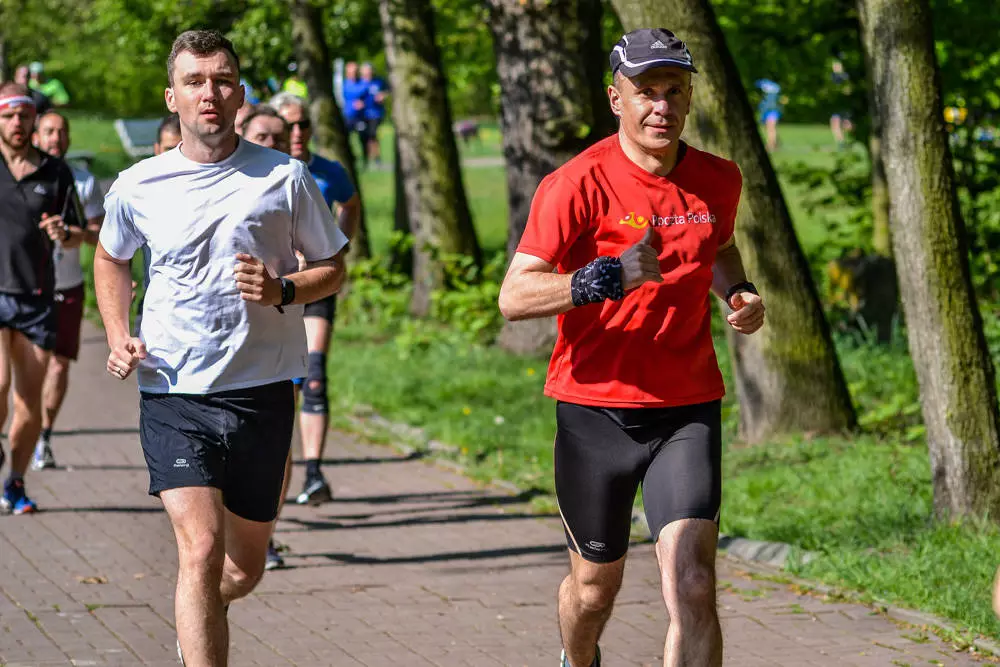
{"x":255,"y":282}
{"x":125,"y":356}
{"x":641,"y":262}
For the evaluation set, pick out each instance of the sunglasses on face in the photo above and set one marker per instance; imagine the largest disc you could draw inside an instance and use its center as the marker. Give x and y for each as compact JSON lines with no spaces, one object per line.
{"x":303,"y":124}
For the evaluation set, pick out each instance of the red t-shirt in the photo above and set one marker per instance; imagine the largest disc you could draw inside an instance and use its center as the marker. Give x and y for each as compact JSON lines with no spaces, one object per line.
{"x":654,"y":347}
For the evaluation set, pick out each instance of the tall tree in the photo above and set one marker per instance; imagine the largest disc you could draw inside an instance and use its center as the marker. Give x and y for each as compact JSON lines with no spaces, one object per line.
{"x":552,"y":106}
{"x":787,"y":376}
{"x":330,"y":132}
{"x":432,"y":179}
{"x":957,"y":388}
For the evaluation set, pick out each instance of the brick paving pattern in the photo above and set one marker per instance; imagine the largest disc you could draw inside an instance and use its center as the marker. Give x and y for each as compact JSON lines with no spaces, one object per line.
{"x":412,"y":565}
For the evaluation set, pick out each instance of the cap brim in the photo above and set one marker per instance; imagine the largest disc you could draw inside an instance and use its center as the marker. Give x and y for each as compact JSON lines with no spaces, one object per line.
{"x":635,"y":70}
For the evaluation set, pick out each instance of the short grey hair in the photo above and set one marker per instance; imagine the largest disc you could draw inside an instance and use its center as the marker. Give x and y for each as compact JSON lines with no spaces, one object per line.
{"x":282,"y":100}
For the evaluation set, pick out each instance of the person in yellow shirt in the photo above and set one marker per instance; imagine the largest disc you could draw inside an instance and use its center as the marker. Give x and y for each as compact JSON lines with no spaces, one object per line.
{"x":293,"y":84}
{"x":51,"y":88}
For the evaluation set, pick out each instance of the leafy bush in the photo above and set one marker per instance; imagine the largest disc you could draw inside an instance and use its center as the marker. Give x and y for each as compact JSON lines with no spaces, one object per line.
{"x":464,"y":310}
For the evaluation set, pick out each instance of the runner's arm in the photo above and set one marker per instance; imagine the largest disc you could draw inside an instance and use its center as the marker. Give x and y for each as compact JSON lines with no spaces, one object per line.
{"x":349,"y":215}
{"x":113,"y":286}
{"x":728,"y":268}
{"x":531,"y":289}
{"x":318,"y":280}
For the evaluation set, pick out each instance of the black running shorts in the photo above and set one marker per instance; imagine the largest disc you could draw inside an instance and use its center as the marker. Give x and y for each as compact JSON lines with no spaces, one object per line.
{"x":325,"y":308}
{"x":236,"y":441}
{"x":603,"y":454}
{"x":34,"y":317}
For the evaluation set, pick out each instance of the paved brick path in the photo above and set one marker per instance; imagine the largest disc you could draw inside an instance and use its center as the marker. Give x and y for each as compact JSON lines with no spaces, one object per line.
{"x":412,"y":566}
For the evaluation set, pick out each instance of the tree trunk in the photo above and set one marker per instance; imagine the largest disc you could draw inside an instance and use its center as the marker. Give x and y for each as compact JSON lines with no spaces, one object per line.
{"x":787,"y":375}
{"x":552,"y":106}
{"x":957,"y":388}
{"x":881,"y":235}
{"x":330,"y":134}
{"x":435,"y":196}
{"x":401,"y":256}
{"x":4,"y":65}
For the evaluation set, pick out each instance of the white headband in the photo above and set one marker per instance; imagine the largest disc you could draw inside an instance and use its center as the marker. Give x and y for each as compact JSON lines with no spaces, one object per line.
{"x":16,"y":101}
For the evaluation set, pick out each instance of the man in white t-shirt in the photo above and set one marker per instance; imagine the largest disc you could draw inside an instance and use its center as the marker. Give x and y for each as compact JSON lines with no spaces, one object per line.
{"x":52,"y":136}
{"x":221,"y":335}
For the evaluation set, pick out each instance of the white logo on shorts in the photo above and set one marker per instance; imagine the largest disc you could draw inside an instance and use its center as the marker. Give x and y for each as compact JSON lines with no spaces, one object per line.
{"x":181,"y":463}
{"x":597,"y":546}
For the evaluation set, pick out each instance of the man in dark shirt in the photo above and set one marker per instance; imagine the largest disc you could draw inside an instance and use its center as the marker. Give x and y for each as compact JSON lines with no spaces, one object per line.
{"x":38,"y":202}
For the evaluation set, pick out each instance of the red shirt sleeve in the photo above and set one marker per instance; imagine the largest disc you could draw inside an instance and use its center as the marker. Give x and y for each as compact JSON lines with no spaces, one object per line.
{"x":559,"y":212}
{"x":727,"y":222}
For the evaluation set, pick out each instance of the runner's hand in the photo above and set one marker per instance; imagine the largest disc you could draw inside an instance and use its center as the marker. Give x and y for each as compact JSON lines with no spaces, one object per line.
{"x":748,"y":312}
{"x":255,"y":282}
{"x":54,"y":226}
{"x":641,"y":262}
{"x":125,"y":356}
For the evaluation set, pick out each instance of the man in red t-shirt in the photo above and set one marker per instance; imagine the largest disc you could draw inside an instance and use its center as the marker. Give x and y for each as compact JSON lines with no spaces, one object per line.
{"x":624,"y":243}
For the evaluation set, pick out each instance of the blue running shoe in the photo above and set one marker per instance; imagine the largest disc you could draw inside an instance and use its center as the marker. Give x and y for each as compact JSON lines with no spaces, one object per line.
{"x":15,"y":500}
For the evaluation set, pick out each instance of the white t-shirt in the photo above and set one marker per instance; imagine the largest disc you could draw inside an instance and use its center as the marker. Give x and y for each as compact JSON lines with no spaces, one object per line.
{"x":68,"y":271}
{"x":200,"y":336}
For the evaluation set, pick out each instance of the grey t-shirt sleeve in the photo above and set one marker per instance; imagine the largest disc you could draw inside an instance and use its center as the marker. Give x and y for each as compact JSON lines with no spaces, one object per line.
{"x":119,"y":235}
{"x":316,"y":234}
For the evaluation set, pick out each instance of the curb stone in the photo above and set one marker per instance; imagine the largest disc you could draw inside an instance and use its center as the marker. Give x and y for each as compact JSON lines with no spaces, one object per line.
{"x":766,"y":558}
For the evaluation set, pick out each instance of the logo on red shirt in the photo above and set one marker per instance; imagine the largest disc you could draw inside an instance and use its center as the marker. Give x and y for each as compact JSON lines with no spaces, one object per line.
{"x":691,"y":218}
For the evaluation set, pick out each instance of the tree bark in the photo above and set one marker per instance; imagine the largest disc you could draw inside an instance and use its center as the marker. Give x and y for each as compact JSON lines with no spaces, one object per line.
{"x":787,"y":375}
{"x":330,"y":134}
{"x":881,"y":234}
{"x":4,"y":65}
{"x":435,"y":195}
{"x":401,"y":258}
{"x":956,"y":375}
{"x":552,"y":106}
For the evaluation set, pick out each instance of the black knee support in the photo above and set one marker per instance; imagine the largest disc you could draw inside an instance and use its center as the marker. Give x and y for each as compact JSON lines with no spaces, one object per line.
{"x":314,"y":399}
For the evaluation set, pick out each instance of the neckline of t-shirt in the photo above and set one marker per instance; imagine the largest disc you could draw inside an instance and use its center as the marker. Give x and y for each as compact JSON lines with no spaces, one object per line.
{"x":656,"y":179}
{"x":224,"y":162}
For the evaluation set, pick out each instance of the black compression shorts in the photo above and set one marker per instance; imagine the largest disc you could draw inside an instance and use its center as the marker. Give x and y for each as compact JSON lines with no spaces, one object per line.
{"x":325,"y":308}
{"x":603,"y":454}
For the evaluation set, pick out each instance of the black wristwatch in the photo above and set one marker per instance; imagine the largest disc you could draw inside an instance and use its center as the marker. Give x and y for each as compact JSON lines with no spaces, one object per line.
{"x":66,"y":233}
{"x":287,"y":291}
{"x":745,"y":286}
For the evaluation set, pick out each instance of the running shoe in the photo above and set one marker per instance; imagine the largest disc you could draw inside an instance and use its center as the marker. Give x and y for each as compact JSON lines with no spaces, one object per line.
{"x":43,"y":457}
{"x":563,"y":662}
{"x":15,"y":500}
{"x":273,"y":560}
{"x":315,"y":492}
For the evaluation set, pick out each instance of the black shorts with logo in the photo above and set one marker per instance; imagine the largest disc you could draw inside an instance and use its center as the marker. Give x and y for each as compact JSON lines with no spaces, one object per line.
{"x":34,"y":317}
{"x":236,"y":441}
{"x":603,"y":454}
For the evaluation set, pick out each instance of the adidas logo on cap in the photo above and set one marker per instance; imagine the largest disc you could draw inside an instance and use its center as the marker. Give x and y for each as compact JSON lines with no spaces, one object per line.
{"x":658,"y":45}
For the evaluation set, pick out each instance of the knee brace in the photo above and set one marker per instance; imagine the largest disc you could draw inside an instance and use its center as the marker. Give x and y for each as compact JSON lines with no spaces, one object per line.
{"x":314,"y":399}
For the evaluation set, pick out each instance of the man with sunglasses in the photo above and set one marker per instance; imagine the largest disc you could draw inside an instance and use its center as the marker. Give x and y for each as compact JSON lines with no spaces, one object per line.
{"x":336,"y":187}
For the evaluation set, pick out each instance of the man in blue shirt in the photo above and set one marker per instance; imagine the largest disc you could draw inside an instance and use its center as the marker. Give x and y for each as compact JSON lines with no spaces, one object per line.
{"x":770,"y":110}
{"x":336,"y":187}
{"x":355,"y":93}
{"x":374,"y":112}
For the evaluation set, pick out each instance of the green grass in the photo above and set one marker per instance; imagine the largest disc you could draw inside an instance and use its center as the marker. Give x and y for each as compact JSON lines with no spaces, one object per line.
{"x":97,"y":135}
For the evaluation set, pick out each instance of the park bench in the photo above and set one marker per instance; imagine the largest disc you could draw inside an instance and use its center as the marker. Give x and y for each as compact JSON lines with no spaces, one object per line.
{"x":137,"y":135}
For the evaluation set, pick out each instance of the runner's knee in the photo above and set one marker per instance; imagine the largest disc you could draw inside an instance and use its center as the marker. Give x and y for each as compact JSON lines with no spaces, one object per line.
{"x":203,"y":553}
{"x":239,"y":582}
{"x":595,"y":597}
{"x":692,"y":586}
{"x":314,"y":399}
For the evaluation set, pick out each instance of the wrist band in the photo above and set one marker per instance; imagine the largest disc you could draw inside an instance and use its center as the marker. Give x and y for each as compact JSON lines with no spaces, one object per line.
{"x":66,"y":233}
{"x":598,"y":281}
{"x":745,"y":286}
